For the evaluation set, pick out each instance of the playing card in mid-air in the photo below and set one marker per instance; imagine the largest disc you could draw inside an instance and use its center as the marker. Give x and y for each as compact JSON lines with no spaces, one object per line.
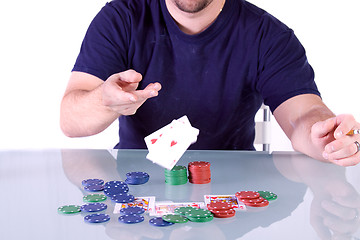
{"x":169,"y":143}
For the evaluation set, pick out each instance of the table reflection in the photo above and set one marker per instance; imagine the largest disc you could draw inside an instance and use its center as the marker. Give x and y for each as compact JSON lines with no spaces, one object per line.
{"x":334,"y":212}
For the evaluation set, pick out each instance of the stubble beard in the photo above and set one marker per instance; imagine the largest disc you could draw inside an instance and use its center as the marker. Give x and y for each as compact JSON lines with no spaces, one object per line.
{"x":192,"y":6}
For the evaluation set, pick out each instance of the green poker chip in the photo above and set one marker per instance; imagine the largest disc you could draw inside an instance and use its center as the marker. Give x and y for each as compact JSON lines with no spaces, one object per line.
{"x":69,"y":209}
{"x":198,"y":213}
{"x":183,"y":210}
{"x":270,"y":196}
{"x":178,"y":169}
{"x":201,"y":219}
{"x":173,"y":218}
{"x":94,"y":198}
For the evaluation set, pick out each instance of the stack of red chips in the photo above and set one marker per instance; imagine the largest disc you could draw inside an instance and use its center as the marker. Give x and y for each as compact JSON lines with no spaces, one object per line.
{"x":199,"y":172}
{"x":221,"y":209}
{"x":251,"y":199}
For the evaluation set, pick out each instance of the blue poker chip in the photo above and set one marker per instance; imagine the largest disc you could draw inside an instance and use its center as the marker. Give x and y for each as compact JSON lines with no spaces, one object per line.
{"x":93,"y":207}
{"x":136,"y":178}
{"x":136,"y":182}
{"x":97,"y":218}
{"x":132,"y":210}
{"x":114,"y":183}
{"x":112,"y":190}
{"x":94,"y":188}
{"x":134,"y":175}
{"x":159,"y":222}
{"x":96,"y":181}
{"x":123,"y":198}
{"x":131,"y":218}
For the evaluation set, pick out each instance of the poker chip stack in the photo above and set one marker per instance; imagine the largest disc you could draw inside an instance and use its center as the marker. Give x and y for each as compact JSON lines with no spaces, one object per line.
{"x":199,"y":172}
{"x":136,"y":178}
{"x":176,"y":176}
{"x":221,"y":209}
{"x":251,"y":199}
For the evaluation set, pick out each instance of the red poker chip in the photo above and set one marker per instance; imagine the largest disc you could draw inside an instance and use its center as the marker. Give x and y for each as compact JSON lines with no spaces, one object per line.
{"x":247,"y":194}
{"x":198,"y":164}
{"x":251,"y":200}
{"x":228,"y":211}
{"x":258,"y":204}
{"x":198,"y":177}
{"x":217,"y":205}
{"x":225,"y":215}
{"x":199,"y":182}
{"x":203,"y":168}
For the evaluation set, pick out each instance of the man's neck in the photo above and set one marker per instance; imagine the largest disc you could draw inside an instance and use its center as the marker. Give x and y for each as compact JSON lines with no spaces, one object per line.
{"x":193,"y":23}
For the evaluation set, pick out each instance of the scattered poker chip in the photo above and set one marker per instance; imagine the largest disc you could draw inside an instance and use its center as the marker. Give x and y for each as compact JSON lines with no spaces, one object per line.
{"x":137,"y":178}
{"x":114,"y":183}
{"x":221,"y":209}
{"x":176,"y":176}
{"x":159,"y":222}
{"x":131,"y":218}
{"x":123,"y":198}
{"x":97,"y":218}
{"x":113,"y":190}
{"x":264,"y":203}
{"x":173,"y":218}
{"x":224,"y":214}
{"x":94,"y":198}
{"x":198,"y":213}
{"x":270,"y":196}
{"x":94,"y":188}
{"x":247,"y":194}
{"x":201,"y":219}
{"x":132,"y":210}
{"x":93,"y":207}
{"x":199,"y":172}
{"x":219,"y":205}
{"x":96,"y":181}
{"x":69,"y":209}
{"x":183,"y":210}
{"x":252,"y":200}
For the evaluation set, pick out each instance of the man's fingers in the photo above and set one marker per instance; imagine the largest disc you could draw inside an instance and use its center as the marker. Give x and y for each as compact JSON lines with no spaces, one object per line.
{"x":152,"y":90}
{"x":345,"y":123}
{"x":129,"y":76}
{"x":323,"y":128}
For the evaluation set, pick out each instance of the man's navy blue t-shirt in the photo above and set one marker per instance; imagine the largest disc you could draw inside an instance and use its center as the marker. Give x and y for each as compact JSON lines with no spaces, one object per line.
{"x":218,"y":78}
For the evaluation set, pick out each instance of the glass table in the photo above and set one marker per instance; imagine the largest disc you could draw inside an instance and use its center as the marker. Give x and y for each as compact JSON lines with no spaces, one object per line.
{"x":315,"y":200}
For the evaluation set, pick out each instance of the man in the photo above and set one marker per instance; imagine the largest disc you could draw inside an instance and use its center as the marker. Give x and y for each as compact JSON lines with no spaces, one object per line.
{"x":215,"y":61}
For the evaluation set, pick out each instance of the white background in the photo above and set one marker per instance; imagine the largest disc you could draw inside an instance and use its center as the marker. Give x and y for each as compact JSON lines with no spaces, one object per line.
{"x":40,"y":41}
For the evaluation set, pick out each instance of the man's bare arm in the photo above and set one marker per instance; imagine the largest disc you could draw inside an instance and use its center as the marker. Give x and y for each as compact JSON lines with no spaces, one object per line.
{"x":315,"y":131}
{"x":90,"y":105}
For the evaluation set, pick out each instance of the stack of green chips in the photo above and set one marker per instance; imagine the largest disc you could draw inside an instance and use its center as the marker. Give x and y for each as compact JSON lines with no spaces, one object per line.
{"x":176,"y":176}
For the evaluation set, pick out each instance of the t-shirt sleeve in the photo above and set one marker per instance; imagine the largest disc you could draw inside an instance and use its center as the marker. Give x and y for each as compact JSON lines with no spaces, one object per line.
{"x":103,"y":50}
{"x":283,"y":70}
